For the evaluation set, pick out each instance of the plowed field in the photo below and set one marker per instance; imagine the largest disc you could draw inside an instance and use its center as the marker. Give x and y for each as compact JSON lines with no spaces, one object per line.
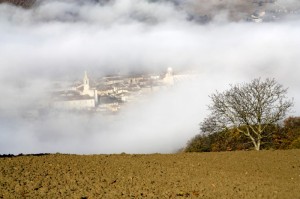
{"x":247,"y":174}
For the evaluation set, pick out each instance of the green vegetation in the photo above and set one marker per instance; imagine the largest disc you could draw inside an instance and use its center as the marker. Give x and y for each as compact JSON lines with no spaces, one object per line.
{"x":286,"y":136}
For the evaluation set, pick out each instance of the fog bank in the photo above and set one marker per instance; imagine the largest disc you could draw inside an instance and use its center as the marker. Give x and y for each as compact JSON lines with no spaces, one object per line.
{"x":58,"y":40}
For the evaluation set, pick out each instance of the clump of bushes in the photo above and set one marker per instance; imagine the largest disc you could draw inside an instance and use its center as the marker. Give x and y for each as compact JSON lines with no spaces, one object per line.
{"x":286,"y":136}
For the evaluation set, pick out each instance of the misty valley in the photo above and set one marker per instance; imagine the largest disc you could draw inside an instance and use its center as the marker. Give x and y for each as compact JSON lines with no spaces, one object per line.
{"x":149,"y":99}
{"x":126,"y":76}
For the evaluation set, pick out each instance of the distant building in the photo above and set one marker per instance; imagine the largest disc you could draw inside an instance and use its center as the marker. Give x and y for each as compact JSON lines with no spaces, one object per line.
{"x":258,"y":16}
{"x":110,"y":93}
{"x":169,"y":78}
{"x":86,"y":91}
{"x":79,"y":98}
{"x":109,"y":104}
{"x":261,"y":2}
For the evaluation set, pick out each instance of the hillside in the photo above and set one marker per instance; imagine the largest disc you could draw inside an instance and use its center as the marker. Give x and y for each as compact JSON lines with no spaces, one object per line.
{"x":244,"y":174}
{"x":203,"y":11}
{"x":23,"y":3}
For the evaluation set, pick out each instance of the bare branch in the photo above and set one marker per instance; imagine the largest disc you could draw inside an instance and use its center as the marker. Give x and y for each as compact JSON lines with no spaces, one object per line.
{"x":254,"y":105}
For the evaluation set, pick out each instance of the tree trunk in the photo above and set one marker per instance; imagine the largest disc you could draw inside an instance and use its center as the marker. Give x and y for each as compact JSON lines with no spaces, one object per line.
{"x":258,"y":145}
{"x":255,"y":143}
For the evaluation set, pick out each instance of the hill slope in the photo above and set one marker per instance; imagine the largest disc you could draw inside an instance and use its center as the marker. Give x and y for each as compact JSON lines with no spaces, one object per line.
{"x":264,"y":174}
{"x":23,"y":3}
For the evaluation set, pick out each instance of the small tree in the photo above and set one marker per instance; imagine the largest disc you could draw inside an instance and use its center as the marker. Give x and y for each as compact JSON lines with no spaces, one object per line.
{"x":250,"y":108}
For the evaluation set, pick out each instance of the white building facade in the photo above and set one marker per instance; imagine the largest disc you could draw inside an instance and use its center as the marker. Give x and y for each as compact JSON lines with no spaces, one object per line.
{"x":82,"y":98}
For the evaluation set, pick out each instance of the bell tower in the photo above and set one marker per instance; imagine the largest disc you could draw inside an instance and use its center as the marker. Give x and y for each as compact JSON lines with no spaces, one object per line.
{"x":169,"y":78}
{"x":86,"y":83}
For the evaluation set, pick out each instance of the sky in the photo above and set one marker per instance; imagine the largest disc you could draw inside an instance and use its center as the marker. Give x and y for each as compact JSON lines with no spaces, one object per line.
{"x":59,"y":40}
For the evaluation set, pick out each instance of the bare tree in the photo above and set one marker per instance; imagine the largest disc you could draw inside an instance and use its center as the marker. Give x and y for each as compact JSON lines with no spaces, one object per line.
{"x":249,"y":107}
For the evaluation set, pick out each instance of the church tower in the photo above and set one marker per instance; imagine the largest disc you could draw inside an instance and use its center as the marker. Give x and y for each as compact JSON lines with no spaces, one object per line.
{"x":169,"y":78}
{"x":86,"y":84}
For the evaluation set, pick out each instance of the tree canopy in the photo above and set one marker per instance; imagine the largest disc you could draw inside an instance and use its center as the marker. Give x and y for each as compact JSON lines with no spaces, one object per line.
{"x":250,"y":108}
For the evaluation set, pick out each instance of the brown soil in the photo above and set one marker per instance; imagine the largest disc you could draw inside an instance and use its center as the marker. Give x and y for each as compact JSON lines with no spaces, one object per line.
{"x":264,"y":174}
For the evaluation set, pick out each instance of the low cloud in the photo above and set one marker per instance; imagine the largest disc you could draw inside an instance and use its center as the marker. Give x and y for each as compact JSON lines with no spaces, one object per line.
{"x":58,"y":40}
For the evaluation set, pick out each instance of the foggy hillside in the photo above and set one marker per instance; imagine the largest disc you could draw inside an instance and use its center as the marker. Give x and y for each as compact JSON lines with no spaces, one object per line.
{"x":57,"y":40}
{"x":23,"y":3}
{"x":201,"y":11}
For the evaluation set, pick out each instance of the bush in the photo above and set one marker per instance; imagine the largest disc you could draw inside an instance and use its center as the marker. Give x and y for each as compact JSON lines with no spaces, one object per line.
{"x":199,"y":143}
{"x":277,"y":137}
{"x":295,"y":144}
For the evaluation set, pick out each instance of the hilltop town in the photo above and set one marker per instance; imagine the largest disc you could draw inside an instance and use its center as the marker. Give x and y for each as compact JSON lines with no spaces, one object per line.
{"x":257,"y":11}
{"x":109,"y":94}
{"x":272,"y":12}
